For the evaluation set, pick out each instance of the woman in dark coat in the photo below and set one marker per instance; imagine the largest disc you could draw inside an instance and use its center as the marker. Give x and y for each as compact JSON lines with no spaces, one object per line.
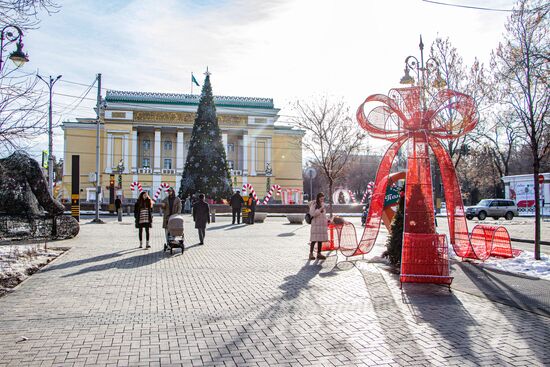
{"x":201,"y":216}
{"x":143,"y":214}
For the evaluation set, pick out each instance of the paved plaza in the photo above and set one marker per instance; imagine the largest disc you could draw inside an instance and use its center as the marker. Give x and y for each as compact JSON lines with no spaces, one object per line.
{"x":250,"y":297}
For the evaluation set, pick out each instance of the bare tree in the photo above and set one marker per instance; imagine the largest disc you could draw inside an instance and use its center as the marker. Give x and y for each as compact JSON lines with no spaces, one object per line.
{"x":22,"y":106}
{"x":24,"y":13}
{"x":331,"y":137}
{"x":522,"y":65}
{"x":472,"y":81}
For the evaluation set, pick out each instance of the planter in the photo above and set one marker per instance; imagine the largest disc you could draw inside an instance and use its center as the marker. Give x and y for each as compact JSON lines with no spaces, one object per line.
{"x":295,"y":218}
{"x":260,"y":217}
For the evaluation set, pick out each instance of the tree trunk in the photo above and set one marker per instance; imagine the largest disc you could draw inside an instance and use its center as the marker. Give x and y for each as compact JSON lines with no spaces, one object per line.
{"x":536,"y":169}
{"x":330,"y":190}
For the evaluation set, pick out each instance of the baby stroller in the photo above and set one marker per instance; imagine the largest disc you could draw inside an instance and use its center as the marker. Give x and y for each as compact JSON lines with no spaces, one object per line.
{"x":175,"y":233}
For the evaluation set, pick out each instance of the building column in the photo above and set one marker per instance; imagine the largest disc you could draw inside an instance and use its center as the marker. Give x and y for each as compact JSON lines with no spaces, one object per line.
{"x":253,"y":157}
{"x":224,"y":142}
{"x":135,"y":158}
{"x":109,"y":158}
{"x":179,"y":152}
{"x":245,"y":155}
{"x":156,"y":157}
{"x":125,"y":150}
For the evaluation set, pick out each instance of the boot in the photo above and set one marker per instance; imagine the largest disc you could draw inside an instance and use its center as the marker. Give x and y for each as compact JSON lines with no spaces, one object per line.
{"x":140,"y":243}
{"x":320,"y":256}
{"x":311,"y":257}
{"x":147,"y":245}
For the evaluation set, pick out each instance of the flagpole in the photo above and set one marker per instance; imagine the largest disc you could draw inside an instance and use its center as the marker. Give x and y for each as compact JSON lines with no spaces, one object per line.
{"x":191,"y":83}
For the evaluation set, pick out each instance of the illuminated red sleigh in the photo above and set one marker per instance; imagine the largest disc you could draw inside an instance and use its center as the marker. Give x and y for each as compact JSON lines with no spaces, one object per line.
{"x":400,"y":117}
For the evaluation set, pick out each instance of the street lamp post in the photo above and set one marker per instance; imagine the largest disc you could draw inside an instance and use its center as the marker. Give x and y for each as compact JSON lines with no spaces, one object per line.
{"x":423,"y":72}
{"x":9,"y":34}
{"x":50,"y":85}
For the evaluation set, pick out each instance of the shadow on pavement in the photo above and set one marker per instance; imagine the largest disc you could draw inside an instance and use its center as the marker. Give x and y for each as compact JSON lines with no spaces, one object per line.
{"x":236,"y":226}
{"x":146,"y":258}
{"x":525,"y":293}
{"x":279,"y":318}
{"x":215,"y":228}
{"x":70,"y":264}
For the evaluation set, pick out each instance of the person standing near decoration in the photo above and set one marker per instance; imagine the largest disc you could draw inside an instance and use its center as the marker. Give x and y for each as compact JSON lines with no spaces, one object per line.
{"x":236,"y":203}
{"x":201,"y":216}
{"x":318,"y":232}
{"x":252,"y":206}
{"x":170,"y":205}
{"x":143,"y":214}
{"x":118,"y":207}
{"x":187,"y":206}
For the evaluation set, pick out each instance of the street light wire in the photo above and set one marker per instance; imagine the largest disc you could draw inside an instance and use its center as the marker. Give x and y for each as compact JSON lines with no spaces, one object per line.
{"x":467,"y":6}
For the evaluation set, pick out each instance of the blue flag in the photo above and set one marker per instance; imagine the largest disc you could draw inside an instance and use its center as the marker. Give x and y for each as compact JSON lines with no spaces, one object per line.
{"x":194,"y":80}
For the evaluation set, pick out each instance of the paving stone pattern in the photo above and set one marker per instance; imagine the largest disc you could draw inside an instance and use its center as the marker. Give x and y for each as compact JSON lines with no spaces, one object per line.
{"x":248,"y":297}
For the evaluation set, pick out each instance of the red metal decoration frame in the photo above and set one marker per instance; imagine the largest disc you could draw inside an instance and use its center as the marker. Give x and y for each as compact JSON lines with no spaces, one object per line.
{"x":406,"y":115}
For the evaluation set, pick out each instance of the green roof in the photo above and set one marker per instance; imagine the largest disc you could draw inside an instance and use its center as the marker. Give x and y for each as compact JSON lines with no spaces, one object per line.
{"x":186,"y":99}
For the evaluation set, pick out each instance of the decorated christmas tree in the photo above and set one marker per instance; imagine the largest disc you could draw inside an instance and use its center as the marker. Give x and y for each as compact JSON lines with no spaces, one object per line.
{"x":206,"y":168}
{"x":394,"y":243}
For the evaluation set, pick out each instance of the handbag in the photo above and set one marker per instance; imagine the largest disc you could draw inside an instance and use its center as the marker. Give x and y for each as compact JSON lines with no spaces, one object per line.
{"x":308,"y":218}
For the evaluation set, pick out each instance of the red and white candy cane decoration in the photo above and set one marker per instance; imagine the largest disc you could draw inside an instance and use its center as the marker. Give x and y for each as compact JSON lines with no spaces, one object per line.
{"x":248,"y":186}
{"x":368,"y":193}
{"x":135,"y":185}
{"x":164,"y":186}
{"x":270,"y":193}
{"x":352,"y":196}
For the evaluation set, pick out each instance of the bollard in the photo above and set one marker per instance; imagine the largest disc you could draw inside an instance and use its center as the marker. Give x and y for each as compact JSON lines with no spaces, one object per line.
{"x":213,"y":216}
{"x":119,"y":212}
{"x":128,"y":210}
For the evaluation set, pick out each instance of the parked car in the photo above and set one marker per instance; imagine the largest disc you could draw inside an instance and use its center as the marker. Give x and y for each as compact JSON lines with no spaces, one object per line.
{"x":494,"y":208}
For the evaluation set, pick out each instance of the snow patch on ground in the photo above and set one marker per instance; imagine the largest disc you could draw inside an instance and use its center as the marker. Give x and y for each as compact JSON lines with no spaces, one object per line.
{"x":18,"y":262}
{"x":524,"y":264}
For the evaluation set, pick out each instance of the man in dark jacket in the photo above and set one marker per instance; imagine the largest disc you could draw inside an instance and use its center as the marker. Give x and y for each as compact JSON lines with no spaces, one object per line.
{"x":236,"y":203}
{"x":201,"y":216}
{"x":252,"y":207}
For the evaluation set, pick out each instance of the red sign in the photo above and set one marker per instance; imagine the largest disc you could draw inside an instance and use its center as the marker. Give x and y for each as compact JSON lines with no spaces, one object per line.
{"x":541,"y":179}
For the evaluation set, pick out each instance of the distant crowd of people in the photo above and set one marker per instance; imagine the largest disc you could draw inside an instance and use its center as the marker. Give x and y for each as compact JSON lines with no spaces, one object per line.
{"x":200,"y":210}
{"x":172,"y":205}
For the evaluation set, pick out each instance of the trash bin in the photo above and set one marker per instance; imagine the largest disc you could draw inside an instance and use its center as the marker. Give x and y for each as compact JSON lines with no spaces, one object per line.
{"x":213,"y":216}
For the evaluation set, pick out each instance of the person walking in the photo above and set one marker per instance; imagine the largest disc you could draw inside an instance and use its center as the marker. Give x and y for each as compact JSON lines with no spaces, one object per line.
{"x":201,"y":216}
{"x":118,"y":207}
{"x":236,"y":203}
{"x":318,"y":232}
{"x":143,"y":214}
{"x":170,"y":205}
{"x":187,"y":206}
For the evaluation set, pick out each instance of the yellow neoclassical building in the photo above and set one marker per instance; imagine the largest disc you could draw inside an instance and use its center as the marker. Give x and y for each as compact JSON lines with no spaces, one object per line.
{"x":149,"y":133}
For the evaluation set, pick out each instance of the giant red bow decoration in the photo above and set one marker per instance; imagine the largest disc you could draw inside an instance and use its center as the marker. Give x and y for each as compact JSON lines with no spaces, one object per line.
{"x":407,"y":115}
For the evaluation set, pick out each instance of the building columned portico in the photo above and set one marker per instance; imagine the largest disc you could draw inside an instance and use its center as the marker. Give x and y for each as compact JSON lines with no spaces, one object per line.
{"x":148,"y":135}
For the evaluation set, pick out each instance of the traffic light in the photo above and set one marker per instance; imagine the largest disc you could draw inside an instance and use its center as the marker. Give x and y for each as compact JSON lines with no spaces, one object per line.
{"x":112,"y":180}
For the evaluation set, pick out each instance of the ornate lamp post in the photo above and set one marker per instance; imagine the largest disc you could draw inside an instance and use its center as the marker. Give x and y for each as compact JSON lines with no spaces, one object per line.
{"x":120,"y":170}
{"x":268,"y":172}
{"x":423,"y":72}
{"x":9,"y":34}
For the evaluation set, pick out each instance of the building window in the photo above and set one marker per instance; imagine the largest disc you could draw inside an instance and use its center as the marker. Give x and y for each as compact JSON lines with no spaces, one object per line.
{"x":167,"y":145}
{"x":230,"y":164}
{"x":146,"y":163}
{"x":146,"y":144}
{"x":230,"y":148}
{"x":168,"y":163}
